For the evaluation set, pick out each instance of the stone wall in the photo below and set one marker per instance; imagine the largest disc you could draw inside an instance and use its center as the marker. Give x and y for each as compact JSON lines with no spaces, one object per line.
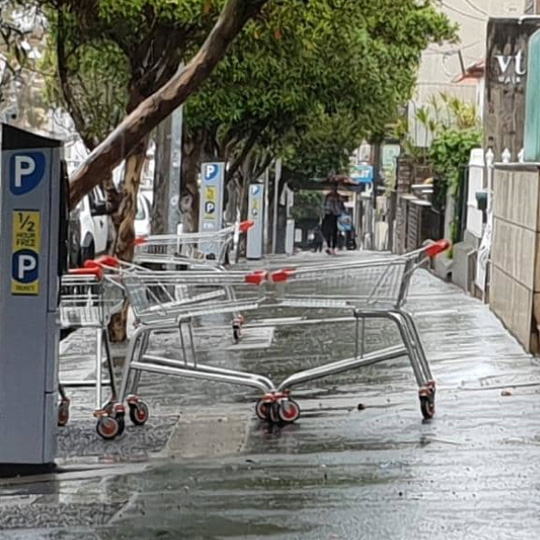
{"x":515,"y":279}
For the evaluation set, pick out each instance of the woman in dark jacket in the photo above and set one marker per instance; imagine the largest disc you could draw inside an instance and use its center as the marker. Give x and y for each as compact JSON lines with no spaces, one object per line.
{"x":333,"y":208}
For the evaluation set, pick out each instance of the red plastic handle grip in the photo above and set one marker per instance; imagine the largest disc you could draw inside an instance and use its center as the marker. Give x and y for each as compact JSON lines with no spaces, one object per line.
{"x":246,"y":225}
{"x":104,"y":260}
{"x":256,"y":278}
{"x":437,"y":248}
{"x":95,"y":271}
{"x":279,"y":276}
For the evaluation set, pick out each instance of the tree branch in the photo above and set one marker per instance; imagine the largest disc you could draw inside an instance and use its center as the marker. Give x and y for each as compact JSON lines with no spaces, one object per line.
{"x":157,"y":107}
{"x":237,"y":163}
{"x":264,"y":164}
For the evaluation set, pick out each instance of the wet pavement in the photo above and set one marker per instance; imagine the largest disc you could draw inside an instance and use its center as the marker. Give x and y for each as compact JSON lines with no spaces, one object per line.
{"x":205,"y":468}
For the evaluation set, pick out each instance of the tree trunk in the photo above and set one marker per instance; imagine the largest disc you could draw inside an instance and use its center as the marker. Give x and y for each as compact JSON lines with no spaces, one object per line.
{"x":124,"y":245}
{"x":192,"y":149}
{"x":112,"y":195}
{"x":161,"y":178}
{"x":243,"y":182}
{"x":234,"y":200}
{"x":124,"y":221}
{"x":113,"y":198}
{"x":153,"y":110}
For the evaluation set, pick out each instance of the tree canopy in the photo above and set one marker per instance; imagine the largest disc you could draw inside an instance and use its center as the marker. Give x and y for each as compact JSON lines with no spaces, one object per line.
{"x":154,"y":36}
{"x":304,"y":80}
{"x":107,"y":56}
{"x":313,"y":79}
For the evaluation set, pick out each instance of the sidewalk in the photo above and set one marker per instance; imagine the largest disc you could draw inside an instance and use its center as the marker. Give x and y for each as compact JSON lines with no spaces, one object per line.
{"x":204,"y":467}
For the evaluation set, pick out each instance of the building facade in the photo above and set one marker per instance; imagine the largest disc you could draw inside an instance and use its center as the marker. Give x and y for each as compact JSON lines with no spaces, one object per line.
{"x":443,"y":67}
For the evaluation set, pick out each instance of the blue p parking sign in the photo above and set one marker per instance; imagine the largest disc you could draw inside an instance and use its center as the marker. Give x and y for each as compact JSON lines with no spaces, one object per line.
{"x":27,"y":170}
{"x":25,"y":266}
{"x":211,"y":171}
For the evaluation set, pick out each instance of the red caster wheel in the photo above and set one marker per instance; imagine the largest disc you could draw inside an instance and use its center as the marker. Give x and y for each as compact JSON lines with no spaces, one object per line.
{"x":63,"y":412}
{"x":109,"y":407}
{"x":138,"y":413}
{"x":108,"y":427}
{"x":288,"y":411}
{"x":427,"y":404}
{"x":262,"y":409}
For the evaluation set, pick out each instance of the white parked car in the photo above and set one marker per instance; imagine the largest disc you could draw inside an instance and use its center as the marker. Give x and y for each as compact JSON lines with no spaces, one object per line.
{"x":96,"y":229}
{"x":143,"y":217}
{"x":95,"y":225}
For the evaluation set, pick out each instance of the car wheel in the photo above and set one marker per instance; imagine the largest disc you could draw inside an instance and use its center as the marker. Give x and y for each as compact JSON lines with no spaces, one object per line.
{"x":87,"y":253}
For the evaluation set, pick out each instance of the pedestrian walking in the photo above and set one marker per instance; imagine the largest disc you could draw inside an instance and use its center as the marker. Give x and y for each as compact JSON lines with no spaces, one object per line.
{"x":333,"y":208}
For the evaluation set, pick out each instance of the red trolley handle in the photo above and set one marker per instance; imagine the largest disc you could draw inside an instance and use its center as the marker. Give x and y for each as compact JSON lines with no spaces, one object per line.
{"x":246,"y":225}
{"x":280,"y":276}
{"x":258,"y":277}
{"x":103,"y":261}
{"x":437,"y":248}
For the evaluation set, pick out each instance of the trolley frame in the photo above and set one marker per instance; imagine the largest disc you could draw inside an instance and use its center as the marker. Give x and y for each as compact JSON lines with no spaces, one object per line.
{"x":276,"y":404}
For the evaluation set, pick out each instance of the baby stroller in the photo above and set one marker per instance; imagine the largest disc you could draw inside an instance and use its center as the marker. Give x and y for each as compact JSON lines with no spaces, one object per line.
{"x":347,"y":233}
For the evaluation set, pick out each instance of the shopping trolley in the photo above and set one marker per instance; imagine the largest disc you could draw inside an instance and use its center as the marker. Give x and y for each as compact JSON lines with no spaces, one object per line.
{"x":207,"y":248}
{"x":211,"y":251}
{"x":371,"y":289}
{"x":171,"y":300}
{"x":164,"y":301}
{"x":89,"y":298}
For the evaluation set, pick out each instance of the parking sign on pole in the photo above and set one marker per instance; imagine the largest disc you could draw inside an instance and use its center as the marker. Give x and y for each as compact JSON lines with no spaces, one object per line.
{"x":256,"y":211}
{"x":211,"y":202}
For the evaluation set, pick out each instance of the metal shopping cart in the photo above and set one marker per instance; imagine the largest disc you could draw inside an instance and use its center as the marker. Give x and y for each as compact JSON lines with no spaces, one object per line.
{"x":194,"y":251}
{"x":371,"y":289}
{"x":206,"y":248}
{"x":358,"y":291}
{"x":89,"y":298}
{"x":170,"y":301}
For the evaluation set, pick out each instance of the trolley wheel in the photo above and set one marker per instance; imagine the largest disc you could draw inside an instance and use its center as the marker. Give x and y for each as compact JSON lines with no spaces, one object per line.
{"x":274,"y":413}
{"x":109,"y":407}
{"x":63,"y":412}
{"x":288,"y":411}
{"x":262,"y":409}
{"x":138,"y":413}
{"x":109,"y":427}
{"x":427,"y":405}
{"x":121,"y":423}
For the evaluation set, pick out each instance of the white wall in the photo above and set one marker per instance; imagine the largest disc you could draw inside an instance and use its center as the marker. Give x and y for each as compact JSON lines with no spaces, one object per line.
{"x":476,"y":183}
